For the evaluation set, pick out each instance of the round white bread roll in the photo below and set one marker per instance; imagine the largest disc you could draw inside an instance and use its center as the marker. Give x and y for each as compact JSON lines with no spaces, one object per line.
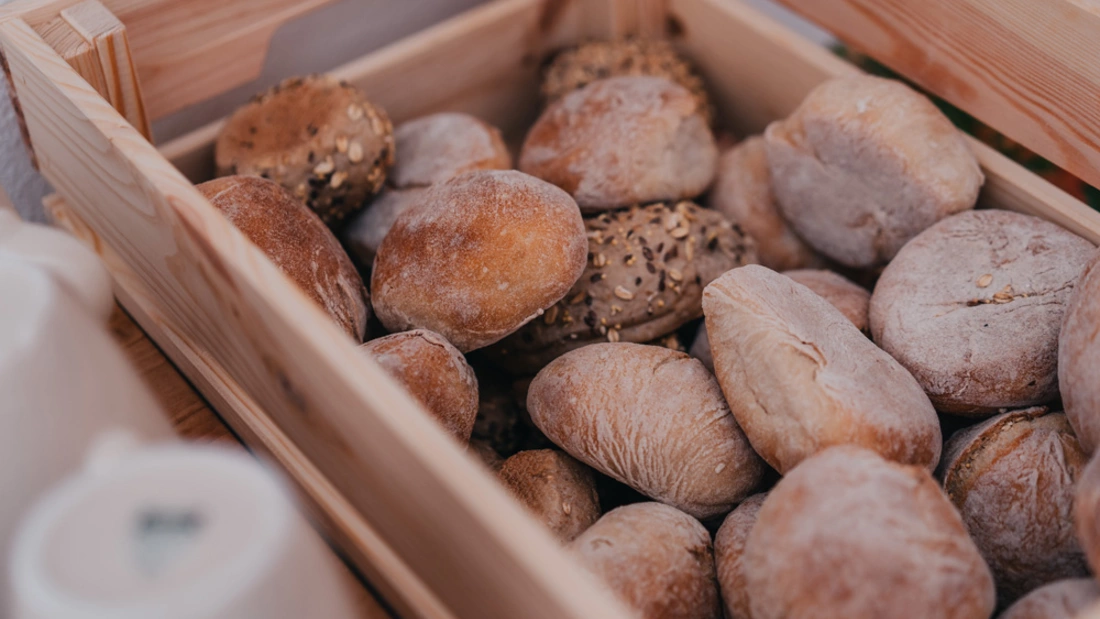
{"x":1079,"y":357}
{"x":438,"y":147}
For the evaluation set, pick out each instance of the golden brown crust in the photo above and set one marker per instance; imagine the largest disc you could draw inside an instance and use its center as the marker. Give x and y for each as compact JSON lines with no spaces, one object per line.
{"x":729,"y":554}
{"x":852,"y":300}
{"x":478,"y":257}
{"x":434,"y":372}
{"x":1063,"y":599}
{"x":1079,"y":357}
{"x":657,"y":559}
{"x":647,"y":267}
{"x":320,"y":138}
{"x":297,"y":242}
{"x":849,"y":534}
{"x":557,"y":489}
{"x":438,"y":147}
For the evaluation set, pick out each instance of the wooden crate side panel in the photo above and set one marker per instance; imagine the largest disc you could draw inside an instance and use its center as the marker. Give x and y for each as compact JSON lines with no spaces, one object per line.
{"x":446,"y":517}
{"x":785,"y":67}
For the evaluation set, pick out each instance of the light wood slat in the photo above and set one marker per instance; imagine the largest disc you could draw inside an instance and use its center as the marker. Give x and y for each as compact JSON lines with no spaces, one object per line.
{"x":445,"y":516}
{"x":1028,"y":68}
{"x":782,"y":68}
{"x":76,"y":50}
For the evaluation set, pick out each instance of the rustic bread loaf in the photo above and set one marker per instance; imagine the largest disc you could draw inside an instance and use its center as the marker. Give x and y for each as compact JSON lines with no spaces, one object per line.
{"x":852,"y":300}
{"x":434,"y":372}
{"x":1079,"y":357}
{"x":438,"y":147}
{"x":1086,"y":512}
{"x":743,"y":193}
{"x":651,"y":418}
{"x":729,"y":554}
{"x":973,"y":306}
{"x":646,"y":270}
{"x":365,"y":232}
{"x":1064,"y":599}
{"x":849,"y":534}
{"x":479,"y":256}
{"x":1013,"y":480}
{"x":557,"y":489}
{"x":864,"y":165}
{"x":657,"y":559}
{"x":297,"y":242}
{"x":318,"y":137}
{"x":579,"y":143}
{"x":799,"y":377}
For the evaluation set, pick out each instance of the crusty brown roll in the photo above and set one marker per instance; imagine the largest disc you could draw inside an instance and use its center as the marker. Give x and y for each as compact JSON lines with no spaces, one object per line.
{"x":743,"y":193}
{"x":1086,"y":512}
{"x":1079,"y":357}
{"x":555,"y":488}
{"x":865,"y":164}
{"x":438,"y":147}
{"x":657,"y":559}
{"x":434,"y":372}
{"x":479,"y":256}
{"x":849,"y":534}
{"x":973,"y":306}
{"x":575,"y":68}
{"x":297,"y":242}
{"x":651,"y":418}
{"x":729,"y":554}
{"x":365,"y":232}
{"x":578,"y":144}
{"x":1013,"y":480}
{"x":852,"y":300}
{"x":318,"y":137}
{"x":1064,"y":599}
{"x":647,"y":267}
{"x":799,"y":377}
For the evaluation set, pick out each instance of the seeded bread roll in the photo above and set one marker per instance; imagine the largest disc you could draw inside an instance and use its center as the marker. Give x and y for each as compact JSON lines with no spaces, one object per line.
{"x":364,"y":234}
{"x":864,"y":165}
{"x":434,"y":372}
{"x":799,"y":377}
{"x":852,"y":300}
{"x":657,"y":559}
{"x":577,"y":144}
{"x":1086,"y":512}
{"x":1063,"y":599}
{"x":320,"y":138}
{"x":479,"y":256}
{"x":849,"y":534}
{"x":743,"y":193}
{"x":575,"y":68}
{"x":1079,"y":357}
{"x":297,"y":242}
{"x":973,"y":306}
{"x":729,"y":554}
{"x":1024,"y":530}
{"x":651,"y":418}
{"x":557,"y":489}
{"x":438,"y":147}
{"x":647,"y":267}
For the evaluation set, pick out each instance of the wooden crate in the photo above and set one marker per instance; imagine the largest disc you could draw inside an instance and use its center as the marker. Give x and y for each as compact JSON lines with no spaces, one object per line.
{"x":425,"y":522}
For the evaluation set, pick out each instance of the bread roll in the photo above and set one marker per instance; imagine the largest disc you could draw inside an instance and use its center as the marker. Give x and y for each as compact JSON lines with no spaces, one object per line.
{"x":502,"y":419}
{"x":743,"y":193}
{"x":555,"y":488}
{"x":578,"y":142}
{"x":700,"y":348}
{"x":1086,"y":512}
{"x":852,"y":300}
{"x":799,"y":377}
{"x":972,"y":307}
{"x":1013,"y":480}
{"x":478,"y":257}
{"x":365,"y":232}
{"x":864,"y":165}
{"x":434,"y":372}
{"x":647,"y":267}
{"x":483,"y":451}
{"x":439,"y":147}
{"x":657,"y":559}
{"x":1079,"y":357}
{"x":729,"y":554}
{"x":651,"y":418}
{"x":297,"y":242}
{"x":1064,"y":599}
{"x":320,"y":138}
{"x":849,"y":534}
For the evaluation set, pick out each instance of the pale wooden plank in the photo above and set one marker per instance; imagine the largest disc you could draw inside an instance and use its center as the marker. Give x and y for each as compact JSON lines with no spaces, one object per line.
{"x":445,"y":516}
{"x":776,"y":69}
{"x":76,"y":50}
{"x":1025,"y":67}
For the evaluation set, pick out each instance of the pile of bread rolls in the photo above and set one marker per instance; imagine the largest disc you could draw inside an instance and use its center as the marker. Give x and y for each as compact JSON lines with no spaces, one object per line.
{"x":895,"y":447}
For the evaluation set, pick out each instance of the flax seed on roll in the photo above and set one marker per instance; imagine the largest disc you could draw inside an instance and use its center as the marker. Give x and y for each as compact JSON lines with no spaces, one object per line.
{"x":318,"y":137}
{"x":555,"y":488}
{"x":479,"y":256}
{"x":579,"y":143}
{"x":1079,"y":357}
{"x":297,"y":242}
